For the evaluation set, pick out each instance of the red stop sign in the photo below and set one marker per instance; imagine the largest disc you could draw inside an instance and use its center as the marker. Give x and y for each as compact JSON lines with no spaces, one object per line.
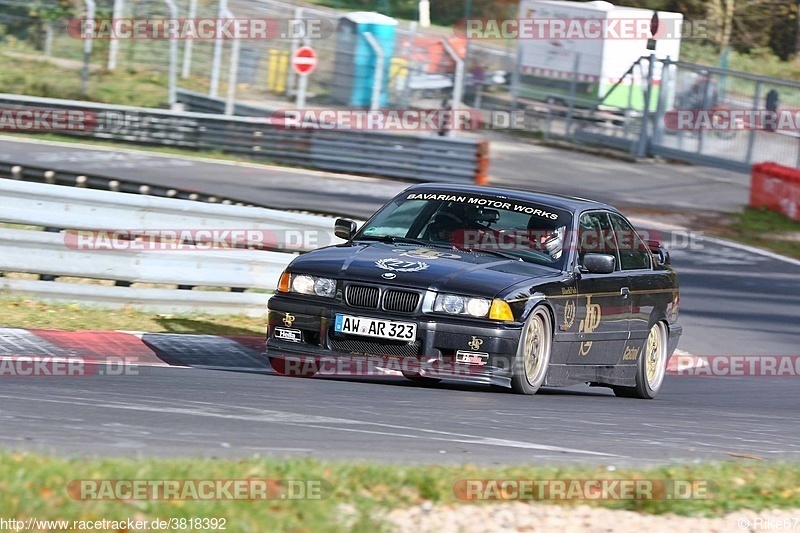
{"x":304,"y":60}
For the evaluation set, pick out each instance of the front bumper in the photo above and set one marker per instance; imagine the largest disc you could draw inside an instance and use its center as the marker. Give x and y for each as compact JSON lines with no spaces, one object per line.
{"x":434,"y":354}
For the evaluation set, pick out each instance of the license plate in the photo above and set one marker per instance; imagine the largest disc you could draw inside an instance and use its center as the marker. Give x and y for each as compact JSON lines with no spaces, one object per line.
{"x":376,"y":327}
{"x":286,"y":334}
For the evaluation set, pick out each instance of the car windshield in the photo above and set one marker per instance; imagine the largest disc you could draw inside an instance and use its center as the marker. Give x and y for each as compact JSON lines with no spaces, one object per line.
{"x":502,"y":227}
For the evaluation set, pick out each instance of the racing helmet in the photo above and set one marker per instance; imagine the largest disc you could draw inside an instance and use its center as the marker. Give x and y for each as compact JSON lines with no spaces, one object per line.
{"x":443,"y":224}
{"x":549,"y":235}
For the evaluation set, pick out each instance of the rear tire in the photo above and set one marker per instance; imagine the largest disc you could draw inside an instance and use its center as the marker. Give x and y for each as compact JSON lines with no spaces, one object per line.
{"x":533,"y":353}
{"x":650,"y":367}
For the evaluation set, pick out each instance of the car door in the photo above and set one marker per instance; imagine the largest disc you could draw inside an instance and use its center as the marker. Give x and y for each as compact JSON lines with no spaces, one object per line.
{"x":650,"y":289}
{"x":604,"y":304}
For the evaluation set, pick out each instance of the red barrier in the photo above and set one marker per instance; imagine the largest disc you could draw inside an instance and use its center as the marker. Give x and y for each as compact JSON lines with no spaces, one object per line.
{"x":777,"y":188}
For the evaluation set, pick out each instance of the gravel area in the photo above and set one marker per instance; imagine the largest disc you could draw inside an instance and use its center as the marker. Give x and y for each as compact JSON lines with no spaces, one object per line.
{"x":524,"y":517}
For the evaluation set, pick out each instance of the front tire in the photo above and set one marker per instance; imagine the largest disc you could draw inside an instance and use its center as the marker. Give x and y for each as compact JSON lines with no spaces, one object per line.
{"x":533,"y":353}
{"x":651,"y":366}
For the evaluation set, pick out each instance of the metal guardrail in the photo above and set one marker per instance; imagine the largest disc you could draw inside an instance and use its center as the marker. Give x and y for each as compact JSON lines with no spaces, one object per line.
{"x":409,"y":157}
{"x":39,"y":252}
{"x":143,"y":299}
{"x":69,"y":178}
{"x":53,"y":253}
{"x":75,"y":208}
{"x":202,"y":103}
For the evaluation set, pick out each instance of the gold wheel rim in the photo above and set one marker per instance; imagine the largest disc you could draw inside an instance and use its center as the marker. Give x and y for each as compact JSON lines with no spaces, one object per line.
{"x":653,"y":355}
{"x":534,"y":348}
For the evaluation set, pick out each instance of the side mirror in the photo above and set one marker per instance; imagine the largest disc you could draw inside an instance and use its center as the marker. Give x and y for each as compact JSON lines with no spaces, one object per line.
{"x":344,"y":228}
{"x":661,"y":253}
{"x":599,"y":263}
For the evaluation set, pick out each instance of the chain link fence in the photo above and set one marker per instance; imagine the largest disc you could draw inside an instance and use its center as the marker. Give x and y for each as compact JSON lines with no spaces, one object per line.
{"x":559,"y":97}
{"x":697,"y":114}
{"x":419,"y":71}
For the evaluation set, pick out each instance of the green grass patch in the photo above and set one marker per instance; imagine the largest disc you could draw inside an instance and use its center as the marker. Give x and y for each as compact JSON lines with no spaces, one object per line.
{"x":354,"y":494}
{"x":765,"y":229}
{"x":760,"y":61}
{"x":19,"y":312}
{"x":28,"y":75}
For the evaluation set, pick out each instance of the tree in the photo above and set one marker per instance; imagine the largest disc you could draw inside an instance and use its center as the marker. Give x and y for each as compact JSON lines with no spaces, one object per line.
{"x":740,"y":23}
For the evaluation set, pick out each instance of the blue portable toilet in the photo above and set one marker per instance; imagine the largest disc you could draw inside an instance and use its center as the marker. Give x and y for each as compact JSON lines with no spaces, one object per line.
{"x":356,"y":61}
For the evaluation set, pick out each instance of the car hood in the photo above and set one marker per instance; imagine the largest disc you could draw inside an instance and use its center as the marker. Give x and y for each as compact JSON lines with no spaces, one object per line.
{"x":442,"y":269}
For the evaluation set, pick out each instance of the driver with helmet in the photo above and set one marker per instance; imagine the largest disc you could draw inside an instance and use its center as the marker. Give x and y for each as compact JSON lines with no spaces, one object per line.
{"x":547,"y":236}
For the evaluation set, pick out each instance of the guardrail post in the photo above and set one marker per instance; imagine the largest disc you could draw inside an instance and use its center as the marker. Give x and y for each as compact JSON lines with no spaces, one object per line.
{"x":49,"y":277}
{"x":16,"y":172}
{"x":482,"y":164}
{"x":80,"y":181}
{"x":50,"y":177}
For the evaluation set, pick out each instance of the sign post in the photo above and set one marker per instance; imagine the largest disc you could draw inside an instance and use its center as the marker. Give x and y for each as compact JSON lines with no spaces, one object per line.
{"x":304,"y":61}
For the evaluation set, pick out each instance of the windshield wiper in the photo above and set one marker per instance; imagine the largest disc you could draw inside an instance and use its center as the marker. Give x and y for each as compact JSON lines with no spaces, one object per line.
{"x":391,"y":239}
{"x":498,"y":253}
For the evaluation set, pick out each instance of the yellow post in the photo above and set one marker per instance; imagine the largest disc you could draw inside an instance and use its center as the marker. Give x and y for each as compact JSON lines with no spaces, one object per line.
{"x":398,"y":68}
{"x":272,"y":69}
{"x":283,"y":69}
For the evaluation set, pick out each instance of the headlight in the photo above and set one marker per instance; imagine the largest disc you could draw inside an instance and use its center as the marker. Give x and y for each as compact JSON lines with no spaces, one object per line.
{"x":325,"y":287}
{"x":313,"y":285}
{"x":453,"y":304}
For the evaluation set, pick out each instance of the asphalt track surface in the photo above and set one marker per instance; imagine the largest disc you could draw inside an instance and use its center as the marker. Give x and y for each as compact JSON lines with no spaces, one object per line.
{"x":733,"y":302}
{"x":513,"y":164}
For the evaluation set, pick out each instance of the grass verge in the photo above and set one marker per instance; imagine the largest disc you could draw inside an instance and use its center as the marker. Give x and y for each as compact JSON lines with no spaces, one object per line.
{"x":765,"y":229}
{"x":32,"y":76}
{"x":21,"y":312}
{"x":353,"y":494}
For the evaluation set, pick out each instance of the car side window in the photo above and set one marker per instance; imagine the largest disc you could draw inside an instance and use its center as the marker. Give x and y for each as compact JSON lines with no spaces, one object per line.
{"x":633,"y":252}
{"x":595,"y":235}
